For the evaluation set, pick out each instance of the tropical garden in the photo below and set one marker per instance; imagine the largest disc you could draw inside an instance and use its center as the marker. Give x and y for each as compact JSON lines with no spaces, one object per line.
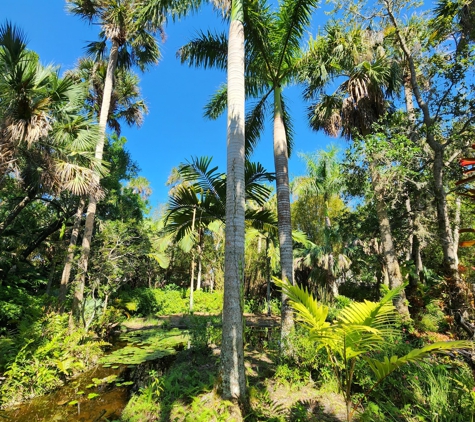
{"x":345,"y":293}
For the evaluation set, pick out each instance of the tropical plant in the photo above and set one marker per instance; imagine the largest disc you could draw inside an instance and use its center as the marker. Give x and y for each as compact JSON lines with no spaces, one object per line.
{"x":46,"y":144}
{"x":199,"y":202}
{"x":360,"y":328}
{"x":370,"y":77}
{"x":272,"y":56}
{"x":131,"y":43}
{"x":325,"y":180}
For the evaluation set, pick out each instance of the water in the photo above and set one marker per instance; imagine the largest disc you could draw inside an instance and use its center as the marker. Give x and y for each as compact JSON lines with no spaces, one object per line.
{"x":56,"y":406}
{"x":101,"y":393}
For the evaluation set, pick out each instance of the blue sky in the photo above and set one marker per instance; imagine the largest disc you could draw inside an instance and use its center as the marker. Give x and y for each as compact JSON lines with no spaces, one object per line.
{"x":175,"y":129}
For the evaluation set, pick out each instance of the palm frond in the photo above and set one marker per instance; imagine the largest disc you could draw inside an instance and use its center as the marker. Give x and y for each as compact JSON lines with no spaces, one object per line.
{"x":255,"y":120}
{"x":206,"y":50}
{"x":218,"y":103}
{"x":389,"y":365}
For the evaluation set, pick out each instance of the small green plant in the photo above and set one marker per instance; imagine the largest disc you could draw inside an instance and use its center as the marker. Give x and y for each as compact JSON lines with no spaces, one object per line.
{"x":360,"y":328}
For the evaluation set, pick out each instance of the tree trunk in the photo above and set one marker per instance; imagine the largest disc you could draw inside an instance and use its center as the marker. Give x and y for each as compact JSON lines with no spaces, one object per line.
{"x":233,"y":380}
{"x":387,"y":244}
{"x":192,"y":279}
{"x":91,"y":209}
{"x":451,"y":273}
{"x":14,"y":213}
{"x":281,"y":162}
{"x":68,"y":262}
{"x":458,"y":206}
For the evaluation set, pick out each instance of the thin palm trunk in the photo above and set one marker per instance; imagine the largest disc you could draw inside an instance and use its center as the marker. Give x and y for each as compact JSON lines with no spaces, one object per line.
{"x":281,"y":161}
{"x":389,"y":251}
{"x":91,"y":209}
{"x":68,"y":262}
{"x":233,"y":384}
{"x":192,"y":264}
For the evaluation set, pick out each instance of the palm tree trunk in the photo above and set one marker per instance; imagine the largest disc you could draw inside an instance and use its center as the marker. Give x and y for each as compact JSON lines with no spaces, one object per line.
{"x":389,"y":251}
{"x":192,"y":264}
{"x":281,"y":162}
{"x":233,"y":380}
{"x":91,"y":209}
{"x":68,"y":262}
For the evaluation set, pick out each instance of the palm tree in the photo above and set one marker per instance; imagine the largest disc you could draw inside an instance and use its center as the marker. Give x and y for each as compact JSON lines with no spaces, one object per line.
{"x":324,"y":179}
{"x":233,"y":385}
{"x":200,"y":201}
{"x":272,"y":57}
{"x":130,"y":44}
{"x":126,"y":105}
{"x":359,"y":101}
{"x":45,"y":141}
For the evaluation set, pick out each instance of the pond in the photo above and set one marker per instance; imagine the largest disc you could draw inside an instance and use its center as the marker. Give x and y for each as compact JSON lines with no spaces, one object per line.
{"x":101,"y":393}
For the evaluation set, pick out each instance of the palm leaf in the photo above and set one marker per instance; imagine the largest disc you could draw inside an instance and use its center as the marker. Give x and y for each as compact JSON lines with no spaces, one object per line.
{"x":389,"y":365}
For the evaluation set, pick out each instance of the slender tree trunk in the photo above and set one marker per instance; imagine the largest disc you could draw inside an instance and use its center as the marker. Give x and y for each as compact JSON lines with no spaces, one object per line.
{"x":200,"y":260}
{"x":389,"y":251}
{"x":445,"y":233}
{"x":233,"y":384}
{"x":68,"y":262}
{"x":458,"y":206}
{"x":91,"y":209}
{"x":14,"y":213}
{"x":192,"y":265}
{"x":281,"y":161}
{"x":268,"y":276}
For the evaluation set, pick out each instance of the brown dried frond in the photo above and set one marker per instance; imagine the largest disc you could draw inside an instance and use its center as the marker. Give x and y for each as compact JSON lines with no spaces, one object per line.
{"x":332,"y":125}
{"x":223,"y":5}
{"x":26,"y":130}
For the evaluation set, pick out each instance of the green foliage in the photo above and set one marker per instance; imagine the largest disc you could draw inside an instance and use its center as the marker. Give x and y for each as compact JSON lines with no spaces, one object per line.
{"x":168,"y":301}
{"x":145,"y":345}
{"x":360,"y":329}
{"x":432,"y":318}
{"x":47,"y":352}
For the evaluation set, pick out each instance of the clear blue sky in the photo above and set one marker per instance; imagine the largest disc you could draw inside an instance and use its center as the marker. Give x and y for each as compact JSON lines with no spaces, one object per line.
{"x":174,"y":130}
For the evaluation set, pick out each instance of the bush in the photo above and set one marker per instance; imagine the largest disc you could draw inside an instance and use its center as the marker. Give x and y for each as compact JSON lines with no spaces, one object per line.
{"x":146,"y":301}
{"x":43,"y":355}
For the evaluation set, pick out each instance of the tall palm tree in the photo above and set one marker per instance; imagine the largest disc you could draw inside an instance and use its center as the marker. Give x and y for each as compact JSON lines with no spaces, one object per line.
{"x":126,"y":105}
{"x":130,"y":44}
{"x":272,"y":61}
{"x":325,"y":180}
{"x":44,"y":140}
{"x":370,"y":77}
{"x":233,"y":385}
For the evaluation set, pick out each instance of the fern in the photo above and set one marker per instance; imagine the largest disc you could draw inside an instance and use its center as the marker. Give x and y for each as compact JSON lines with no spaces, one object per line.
{"x":360,"y":328}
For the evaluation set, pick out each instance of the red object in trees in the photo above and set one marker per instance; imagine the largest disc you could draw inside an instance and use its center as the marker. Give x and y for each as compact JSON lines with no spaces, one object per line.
{"x":467,"y":161}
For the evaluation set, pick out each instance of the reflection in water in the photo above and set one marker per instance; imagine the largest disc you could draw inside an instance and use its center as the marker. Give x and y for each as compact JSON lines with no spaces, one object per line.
{"x":103,"y":392}
{"x":60,"y":406}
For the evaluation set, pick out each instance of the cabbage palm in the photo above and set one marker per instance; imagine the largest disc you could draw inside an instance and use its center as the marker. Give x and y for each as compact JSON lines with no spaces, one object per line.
{"x":369,"y":78}
{"x":131,"y":43}
{"x":325,"y":180}
{"x":126,"y":105}
{"x":272,"y":57}
{"x":44,"y":140}
{"x":360,"y":328}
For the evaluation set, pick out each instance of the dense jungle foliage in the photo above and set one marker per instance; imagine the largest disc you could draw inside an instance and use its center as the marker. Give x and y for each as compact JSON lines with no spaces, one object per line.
{"x":380,"y":235}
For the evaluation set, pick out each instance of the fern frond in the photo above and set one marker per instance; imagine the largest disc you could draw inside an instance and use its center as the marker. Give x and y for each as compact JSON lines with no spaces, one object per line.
{"x":389,"y":365}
